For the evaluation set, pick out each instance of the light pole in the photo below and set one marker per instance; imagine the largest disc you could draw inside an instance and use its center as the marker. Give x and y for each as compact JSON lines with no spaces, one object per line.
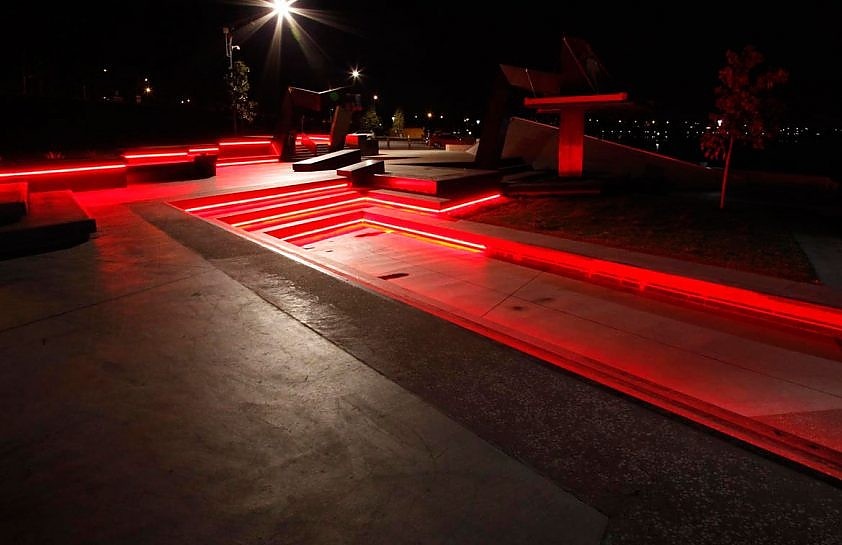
{"x":228,"y":34}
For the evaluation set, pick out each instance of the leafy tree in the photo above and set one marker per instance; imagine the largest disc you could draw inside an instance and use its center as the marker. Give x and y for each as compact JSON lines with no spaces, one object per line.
{"x":398,"y":122}
{"x":744,"y":105}
{"x":237,"y":80}
{"x":370,"y":120}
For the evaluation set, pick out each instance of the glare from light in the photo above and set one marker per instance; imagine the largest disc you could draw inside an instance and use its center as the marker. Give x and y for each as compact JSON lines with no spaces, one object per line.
{"x":287,"y":13}
{"x":281,"y":8}
{"x":355,"y":73}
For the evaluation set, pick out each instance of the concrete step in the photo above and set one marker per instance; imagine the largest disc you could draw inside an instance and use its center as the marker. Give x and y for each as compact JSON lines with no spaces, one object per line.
{"x":54,"y":220}
{"x":362,"y":172}
{"x":449,"y":184}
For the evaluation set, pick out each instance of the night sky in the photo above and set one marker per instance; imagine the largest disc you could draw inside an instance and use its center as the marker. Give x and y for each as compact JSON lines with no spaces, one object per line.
{"x":430,"y":55}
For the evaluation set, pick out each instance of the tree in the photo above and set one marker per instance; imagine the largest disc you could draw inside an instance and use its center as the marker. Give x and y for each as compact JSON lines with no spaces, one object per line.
{"x":398,"y":122}
{"x":744,"y":104}
{"x":370,"y":120}
{"x":237,"y":80}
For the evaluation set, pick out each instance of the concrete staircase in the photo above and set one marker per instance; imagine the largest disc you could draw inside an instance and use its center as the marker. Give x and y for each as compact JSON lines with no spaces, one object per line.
{"x":303,"y":152}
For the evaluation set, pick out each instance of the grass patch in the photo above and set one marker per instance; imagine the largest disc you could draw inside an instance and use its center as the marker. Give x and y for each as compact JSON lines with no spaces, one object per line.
{"x":755,"y":239}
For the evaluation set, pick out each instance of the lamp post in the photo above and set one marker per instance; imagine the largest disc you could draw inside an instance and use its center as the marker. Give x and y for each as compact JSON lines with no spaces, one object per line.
{"x":228,"y":34}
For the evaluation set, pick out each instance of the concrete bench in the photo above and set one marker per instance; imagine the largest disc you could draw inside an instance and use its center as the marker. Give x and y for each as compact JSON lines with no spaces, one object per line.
{"x":73,"y":174}
{"x":361,"y":173}
{"x":167,"y":163}
{"x":329,"y":161}
{"x":14,"y":199}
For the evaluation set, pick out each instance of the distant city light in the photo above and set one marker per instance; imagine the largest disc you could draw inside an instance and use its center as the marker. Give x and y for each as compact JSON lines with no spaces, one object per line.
{"x":429,"y":115}
{"x":375,"y":97}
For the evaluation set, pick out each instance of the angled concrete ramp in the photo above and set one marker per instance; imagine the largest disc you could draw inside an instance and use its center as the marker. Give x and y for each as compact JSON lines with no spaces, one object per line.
{"x":329,"y":161}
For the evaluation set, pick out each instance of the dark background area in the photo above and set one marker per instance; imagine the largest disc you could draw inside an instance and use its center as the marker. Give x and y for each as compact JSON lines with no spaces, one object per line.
{"x":421,"y":56}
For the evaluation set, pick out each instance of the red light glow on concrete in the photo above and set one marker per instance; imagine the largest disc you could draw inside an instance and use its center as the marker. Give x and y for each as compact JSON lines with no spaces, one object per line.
{"x":289,"y":221}
{"x":290,"y":217}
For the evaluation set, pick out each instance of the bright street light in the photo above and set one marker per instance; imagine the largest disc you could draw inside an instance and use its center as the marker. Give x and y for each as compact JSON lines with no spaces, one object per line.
{"x":281,"y":8}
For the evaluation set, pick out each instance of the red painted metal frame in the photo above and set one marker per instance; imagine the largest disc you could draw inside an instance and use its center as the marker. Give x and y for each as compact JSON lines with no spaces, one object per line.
{"x":562,"y":102}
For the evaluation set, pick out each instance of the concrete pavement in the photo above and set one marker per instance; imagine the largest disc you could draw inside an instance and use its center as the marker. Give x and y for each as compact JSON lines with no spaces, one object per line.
{"x":149,"y":398}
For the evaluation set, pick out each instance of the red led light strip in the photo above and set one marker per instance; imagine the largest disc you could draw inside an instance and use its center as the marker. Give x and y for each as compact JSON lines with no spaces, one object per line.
{"x":297,"y":212}
{"x":60,"y":170}
{"x":152,"y":155}
{"x":456,"y":241}
{"x":375,"y":200}
{"x":408,"y":206}
{"x":251,"y":162}
{"x":471,"y":203}
{"x":246,"y":143}
{"x":322,"y":229}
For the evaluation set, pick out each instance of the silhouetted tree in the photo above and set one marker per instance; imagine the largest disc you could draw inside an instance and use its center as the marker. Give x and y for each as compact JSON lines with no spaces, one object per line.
{"x":398,"y":122}
{"x":237,"y":81}
{"x":370,"y":120}
{"x":743,"y":108}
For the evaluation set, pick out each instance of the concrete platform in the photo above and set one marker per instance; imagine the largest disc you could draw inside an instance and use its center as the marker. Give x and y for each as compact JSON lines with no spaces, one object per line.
{"x":14,"y":199}
{"x":439,"y":181}
{"x":54,"y":220}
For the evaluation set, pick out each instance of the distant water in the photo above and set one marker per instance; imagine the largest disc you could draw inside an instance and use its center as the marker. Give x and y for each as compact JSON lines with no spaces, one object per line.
{"x":819,"y":156}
